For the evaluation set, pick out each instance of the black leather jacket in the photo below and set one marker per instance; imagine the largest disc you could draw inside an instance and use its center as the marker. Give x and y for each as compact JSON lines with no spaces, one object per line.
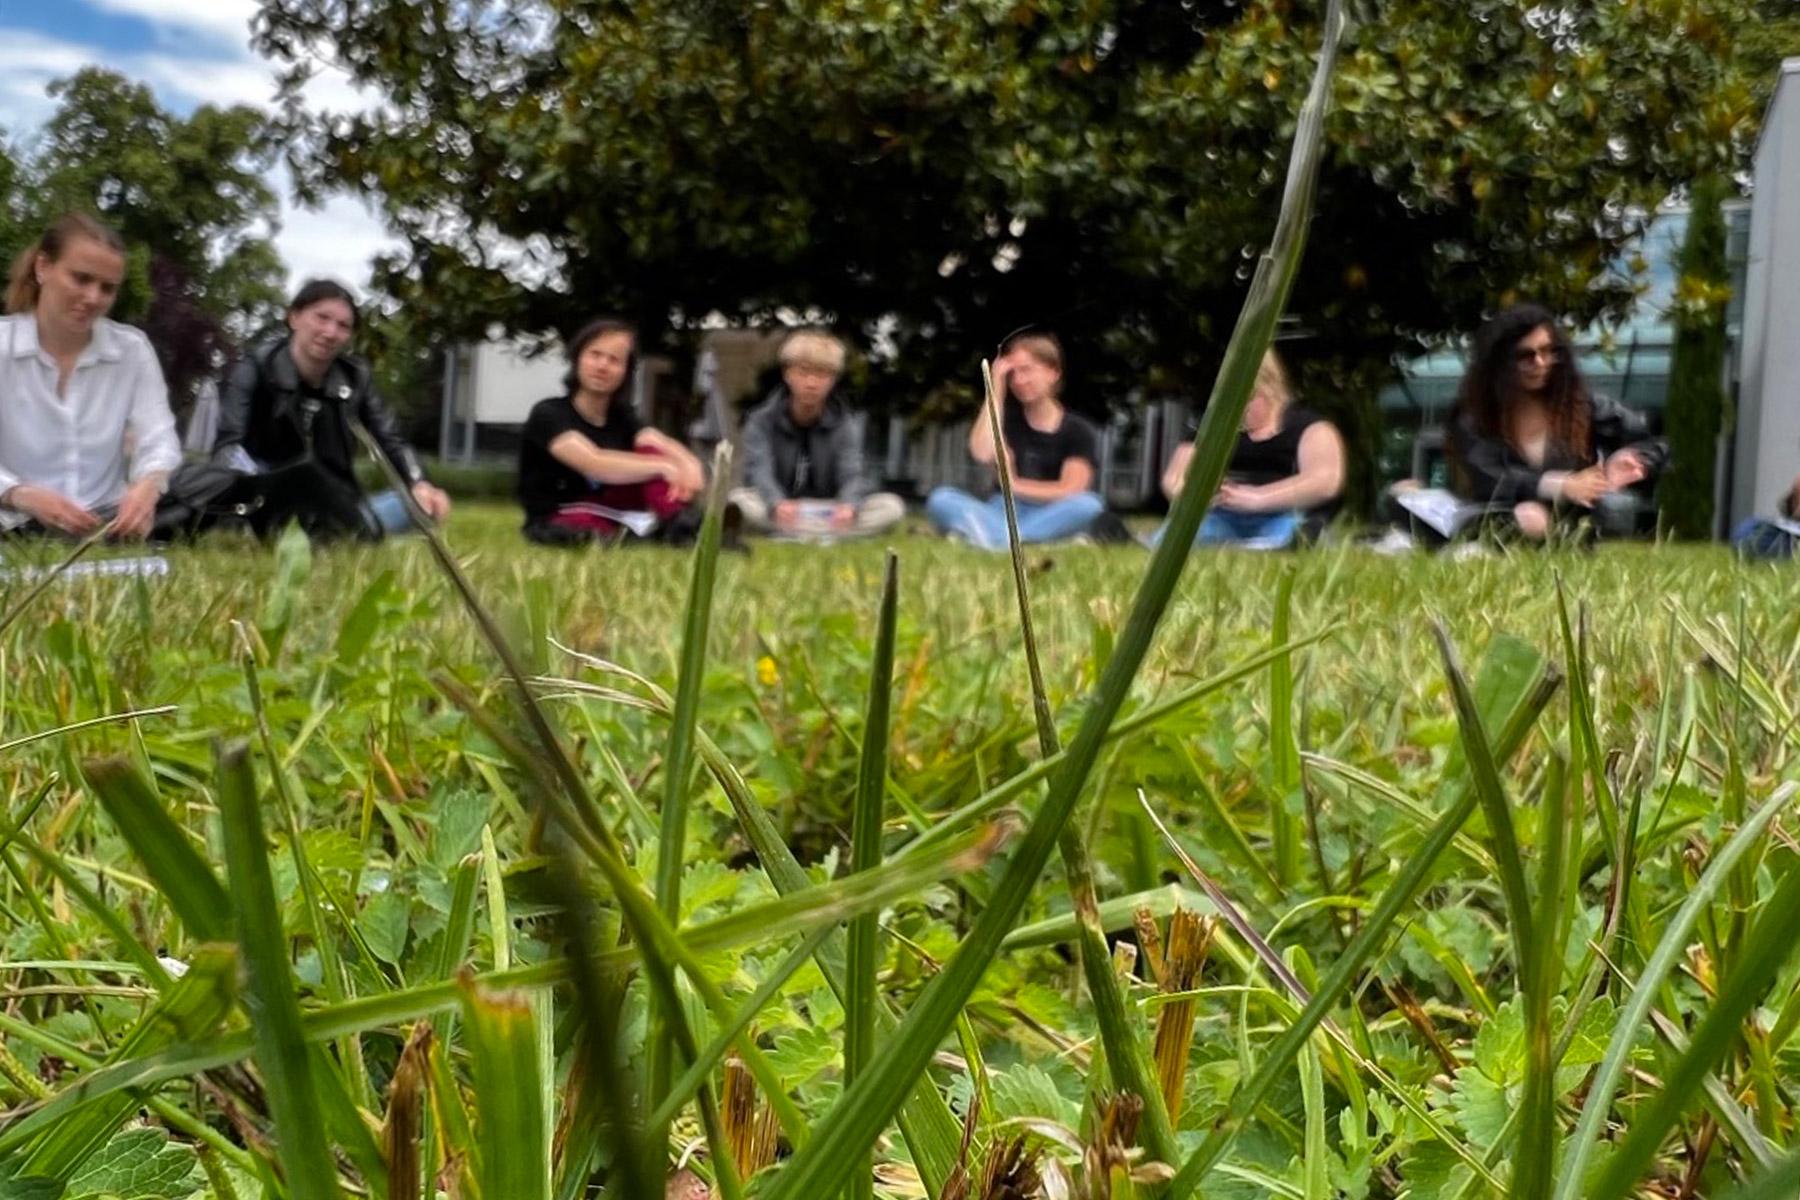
{"x":265,"y":410}
{"x":1489,"y":469}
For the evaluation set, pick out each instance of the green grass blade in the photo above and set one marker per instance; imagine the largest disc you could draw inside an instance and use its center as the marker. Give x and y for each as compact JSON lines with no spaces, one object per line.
{"x":1125,"y":1056}
{"x":1284,"y":746}
{"x":671,"y":841}
{"x":1767,"y":947}
{"x":864,"y":939}
{"x":183,"y":877}
{"x":281,"y":1051}
{"x":856,"y":1120}
{"x":1514,"y":687}
{"x":509,"y":1108}
{"x":1669,"y":951}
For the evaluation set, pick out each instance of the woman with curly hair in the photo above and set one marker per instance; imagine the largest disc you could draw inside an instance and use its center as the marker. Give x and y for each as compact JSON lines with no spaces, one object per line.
{"x":1530,"y":434}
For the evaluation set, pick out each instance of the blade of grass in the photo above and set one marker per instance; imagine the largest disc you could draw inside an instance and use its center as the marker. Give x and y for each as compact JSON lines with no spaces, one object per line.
{"x":1125,"y":1056}
{"x":49,"y":577}
{"x":864,"y":941}
{"x":858,"y":1117}
{"x":281,"y":1051}
{"x":1769,"y":944}
{"x":509,"y":1110}
{"x":1284,"y":747}
{"x":671,"y":840}
{"x":1670,"y":949}
{"x":181,"y":875}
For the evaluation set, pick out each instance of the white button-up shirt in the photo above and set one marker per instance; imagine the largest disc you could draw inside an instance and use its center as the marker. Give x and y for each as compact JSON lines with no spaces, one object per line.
{"x":111,"y":426}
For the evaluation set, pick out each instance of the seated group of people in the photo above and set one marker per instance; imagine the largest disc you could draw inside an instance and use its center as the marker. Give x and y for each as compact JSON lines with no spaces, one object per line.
{"x":87,"y":439}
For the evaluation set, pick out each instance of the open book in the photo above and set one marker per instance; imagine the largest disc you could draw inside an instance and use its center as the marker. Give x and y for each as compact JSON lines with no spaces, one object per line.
{"x":1443,"y":511}
{"x":641,"y":524}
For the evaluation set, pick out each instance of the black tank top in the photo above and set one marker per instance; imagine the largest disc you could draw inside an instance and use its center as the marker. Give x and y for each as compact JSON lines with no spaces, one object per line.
{"x":1272,"y":458}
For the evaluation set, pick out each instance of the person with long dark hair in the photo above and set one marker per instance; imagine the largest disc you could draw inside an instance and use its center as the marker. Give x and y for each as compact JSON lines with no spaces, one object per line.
{"x":589,"y":469}
{"x":86,"y":436}
{"x":285,"y":413}
{"x":1529,"y":434}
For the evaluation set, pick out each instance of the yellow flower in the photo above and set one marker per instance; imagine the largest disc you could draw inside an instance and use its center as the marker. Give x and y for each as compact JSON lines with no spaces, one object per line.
{"x":766,"y":674}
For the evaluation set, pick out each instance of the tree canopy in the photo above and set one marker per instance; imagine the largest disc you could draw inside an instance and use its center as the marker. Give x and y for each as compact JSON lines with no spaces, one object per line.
{"x":949,"y":170}
{"x":190,"y":196}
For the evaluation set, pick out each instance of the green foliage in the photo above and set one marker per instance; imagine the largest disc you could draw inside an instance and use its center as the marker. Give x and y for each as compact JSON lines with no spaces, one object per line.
{"x":1696,"y":406}
{"x":964,"y":167}
{"x":190,"y":196}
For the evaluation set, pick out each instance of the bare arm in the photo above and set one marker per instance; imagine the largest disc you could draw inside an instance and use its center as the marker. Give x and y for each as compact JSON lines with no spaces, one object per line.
{"x":981,"y":432}
{"x":1175,"y":474}
{"x":1320,"y":478}
{"x":578,"y":452}
{"x":1077,"y":476}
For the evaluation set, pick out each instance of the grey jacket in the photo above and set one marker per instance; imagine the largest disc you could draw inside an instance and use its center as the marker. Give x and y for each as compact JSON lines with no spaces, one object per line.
{"x":825,"y":459}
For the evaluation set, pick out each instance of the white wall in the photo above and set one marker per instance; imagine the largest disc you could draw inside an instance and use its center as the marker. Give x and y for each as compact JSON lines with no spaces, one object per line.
{"x":505,"y":383}
{"x":1767,"y":439}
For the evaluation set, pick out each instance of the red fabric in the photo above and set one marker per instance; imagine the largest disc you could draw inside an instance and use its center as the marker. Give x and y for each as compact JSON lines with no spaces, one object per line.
{"x":654,"y":496}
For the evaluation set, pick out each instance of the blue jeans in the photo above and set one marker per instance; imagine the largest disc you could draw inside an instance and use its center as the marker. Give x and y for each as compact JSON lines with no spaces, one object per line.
{"x":983,"y":522}
{"x":1227,"y":527}
{"x":1756,"y":537}
{"x":390,"y":512}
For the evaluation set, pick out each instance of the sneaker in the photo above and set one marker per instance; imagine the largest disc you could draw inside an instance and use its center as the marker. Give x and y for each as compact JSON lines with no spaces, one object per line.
{"x":1393,"y":542}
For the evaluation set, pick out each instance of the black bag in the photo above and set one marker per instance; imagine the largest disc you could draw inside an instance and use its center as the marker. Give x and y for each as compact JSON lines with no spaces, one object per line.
{"x":201,"y":495}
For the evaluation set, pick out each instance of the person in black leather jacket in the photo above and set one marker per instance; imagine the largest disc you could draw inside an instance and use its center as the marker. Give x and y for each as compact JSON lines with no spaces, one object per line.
{"x":1528,"y":433}
{"x":285,"y":413}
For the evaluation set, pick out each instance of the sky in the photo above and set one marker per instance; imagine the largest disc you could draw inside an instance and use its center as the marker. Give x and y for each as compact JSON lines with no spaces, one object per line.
{"x":189,"y":52}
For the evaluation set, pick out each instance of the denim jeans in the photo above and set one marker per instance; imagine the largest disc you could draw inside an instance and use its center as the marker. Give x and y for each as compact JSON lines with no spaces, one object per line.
{"x":983,"y":522}
{"x":1227,"y":527}
{"x":1756,"y":537}
{"x":390,"y":512}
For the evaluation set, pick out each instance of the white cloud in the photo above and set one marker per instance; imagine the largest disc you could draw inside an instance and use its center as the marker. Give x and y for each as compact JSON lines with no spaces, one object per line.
{"x":175,"y":20}
{"x":336,"y":240}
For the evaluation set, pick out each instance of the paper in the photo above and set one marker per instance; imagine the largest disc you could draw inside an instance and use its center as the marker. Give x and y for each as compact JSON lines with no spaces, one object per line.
{"x":641,"y":524}
{"x":1440,"y":509}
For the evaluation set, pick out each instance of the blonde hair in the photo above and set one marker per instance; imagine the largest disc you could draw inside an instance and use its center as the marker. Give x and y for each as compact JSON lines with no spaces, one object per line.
{"x":813,"y":348}
{"x":1272,"y":377}
{"x":1045,"y":347}
{"x":22,"y":285}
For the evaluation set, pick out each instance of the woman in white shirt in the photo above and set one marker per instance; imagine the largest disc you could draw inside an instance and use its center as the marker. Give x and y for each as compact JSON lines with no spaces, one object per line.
{"x":86,"y":435}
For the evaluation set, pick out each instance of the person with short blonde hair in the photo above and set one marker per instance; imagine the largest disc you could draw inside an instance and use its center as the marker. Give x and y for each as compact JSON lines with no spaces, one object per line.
{"x":1053,"y":456}
{"x":1286,"y":472}
{"x":805,"y":473}
{"x":86,"y":436}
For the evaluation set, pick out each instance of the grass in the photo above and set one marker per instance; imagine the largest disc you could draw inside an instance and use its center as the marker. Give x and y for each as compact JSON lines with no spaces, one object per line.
{"x":1681,"y":660}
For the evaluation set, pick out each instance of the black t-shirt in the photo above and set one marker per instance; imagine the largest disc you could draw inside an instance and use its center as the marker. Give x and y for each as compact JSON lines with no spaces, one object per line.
{"x":1040,"y":456}
{"x":545,"y":484}
{"x":1271,"y":459}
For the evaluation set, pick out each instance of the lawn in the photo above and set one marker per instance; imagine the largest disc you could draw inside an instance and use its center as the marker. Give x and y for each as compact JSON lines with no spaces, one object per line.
{"x":474,"y":1013}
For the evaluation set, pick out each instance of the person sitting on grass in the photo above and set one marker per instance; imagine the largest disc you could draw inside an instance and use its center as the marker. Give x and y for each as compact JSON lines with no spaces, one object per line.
{"x":1053,"y":456}
{"x":1760,"y":537}
{"x":803,"y":452}
{"x":589,"y":470}
{"x":1285,"y":476}
{"x":86,"y":436}
{"x":285,"y":414}
{"x":1529,"y":437}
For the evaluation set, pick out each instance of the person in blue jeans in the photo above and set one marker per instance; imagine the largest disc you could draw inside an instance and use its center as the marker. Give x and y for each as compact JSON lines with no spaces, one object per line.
{"x":1052,"y":454}
{"x":1286,"y":473}
{"x":1759,"y":537}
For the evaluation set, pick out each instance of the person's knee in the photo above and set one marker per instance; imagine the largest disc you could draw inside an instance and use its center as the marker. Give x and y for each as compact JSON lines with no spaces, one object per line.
{"x":944,"y":501}
{"x":880,"y":511}
{"x":1533,"y":520}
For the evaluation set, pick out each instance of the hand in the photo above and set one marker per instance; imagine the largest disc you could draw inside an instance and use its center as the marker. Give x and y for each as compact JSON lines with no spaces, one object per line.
{"x":52,"y":509}
{"x":137,"y":509}
{"x":1584,"y":487}
{"x":1001,"y":371}
{"x":1241,"y":497}
{"x":787,"y":514}
{"x":1793,"y":501}
{"x":843,"y":516}
{"x":434,"y":501}
{"x":1624,"y":469}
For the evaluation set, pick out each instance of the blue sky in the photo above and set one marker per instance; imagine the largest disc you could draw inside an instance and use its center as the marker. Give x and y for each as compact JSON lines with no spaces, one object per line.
{"x":190,"y":52}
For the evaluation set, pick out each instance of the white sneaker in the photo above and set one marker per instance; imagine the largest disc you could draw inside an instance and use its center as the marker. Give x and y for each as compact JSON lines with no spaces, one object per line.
{"x":1394,"y":541}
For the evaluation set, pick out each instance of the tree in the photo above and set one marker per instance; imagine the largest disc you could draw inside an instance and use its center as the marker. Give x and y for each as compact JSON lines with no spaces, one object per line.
{"x":949,"y":171}
{"x":190,"y":197}
{"x":1696,"y":406}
